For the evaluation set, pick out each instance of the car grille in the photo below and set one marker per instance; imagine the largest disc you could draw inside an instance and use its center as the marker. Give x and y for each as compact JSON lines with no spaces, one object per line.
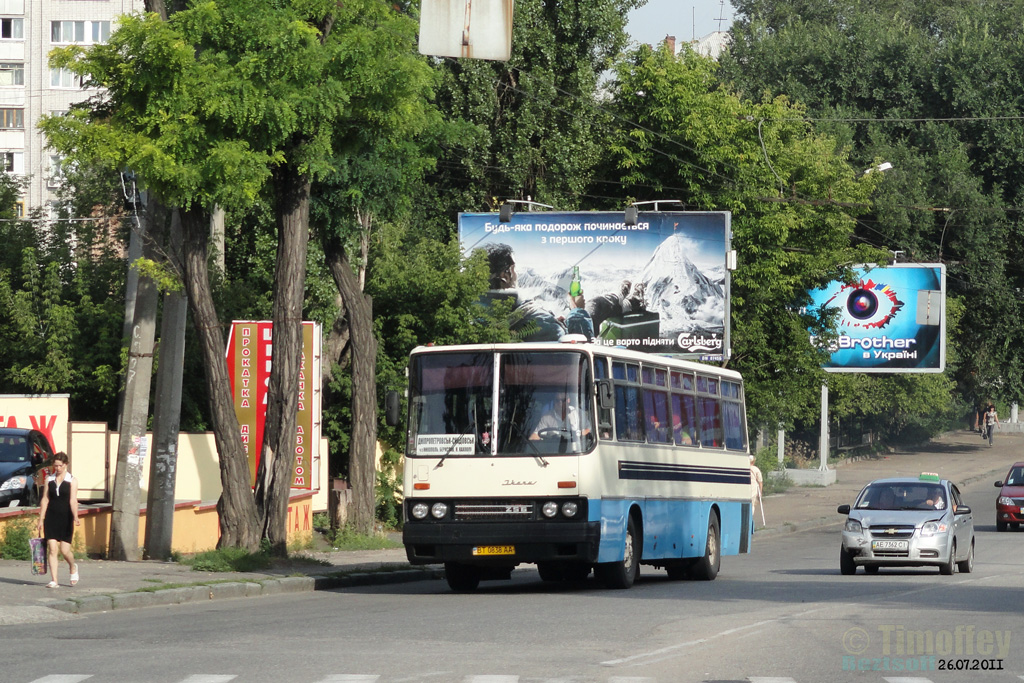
{"x":1018,"y":501}
{"x":493,"y":511}
{"x":898,"y":531}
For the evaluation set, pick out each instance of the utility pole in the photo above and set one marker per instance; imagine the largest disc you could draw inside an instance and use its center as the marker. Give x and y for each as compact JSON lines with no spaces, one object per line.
{"x":131,"y":447}
{"x":167,"y":412}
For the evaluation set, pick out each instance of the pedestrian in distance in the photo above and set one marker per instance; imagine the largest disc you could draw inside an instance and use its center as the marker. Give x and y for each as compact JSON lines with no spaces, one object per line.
{"x":991,"y":420}
{"x":58,"y":517}
{"x":756,"y":491}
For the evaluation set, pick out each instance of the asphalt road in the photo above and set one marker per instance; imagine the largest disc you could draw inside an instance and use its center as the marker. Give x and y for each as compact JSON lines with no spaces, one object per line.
{"x":781,"y":614}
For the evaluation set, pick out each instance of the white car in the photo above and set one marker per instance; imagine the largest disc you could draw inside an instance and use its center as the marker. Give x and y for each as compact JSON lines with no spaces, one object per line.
{"x":908,"y":522}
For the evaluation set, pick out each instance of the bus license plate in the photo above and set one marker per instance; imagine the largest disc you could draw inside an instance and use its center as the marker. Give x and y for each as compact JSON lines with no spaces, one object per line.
{"x":890,"y":545}
{"x":494,"y":550}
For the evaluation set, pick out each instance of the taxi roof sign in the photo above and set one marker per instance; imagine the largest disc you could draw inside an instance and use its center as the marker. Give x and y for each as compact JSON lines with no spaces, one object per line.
{"x":929,"y":476}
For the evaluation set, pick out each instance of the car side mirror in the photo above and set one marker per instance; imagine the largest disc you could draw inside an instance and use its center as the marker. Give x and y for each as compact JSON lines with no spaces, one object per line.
{"x":999,"y":484}
{"x":962,"y":510}
{"x":843,"y":509}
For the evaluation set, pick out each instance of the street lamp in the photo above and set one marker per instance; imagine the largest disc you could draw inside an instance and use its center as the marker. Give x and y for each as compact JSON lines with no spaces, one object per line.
{"x":505,"y":210}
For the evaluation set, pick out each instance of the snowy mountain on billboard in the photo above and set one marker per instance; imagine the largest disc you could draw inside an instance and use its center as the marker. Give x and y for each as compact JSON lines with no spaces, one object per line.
{"x":687,"y":299}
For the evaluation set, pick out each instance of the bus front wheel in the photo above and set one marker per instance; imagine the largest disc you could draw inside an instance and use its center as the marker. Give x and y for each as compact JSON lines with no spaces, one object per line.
{"x":461,"y":578}
{"x":706,"y":568}
{"x":622,"y":574}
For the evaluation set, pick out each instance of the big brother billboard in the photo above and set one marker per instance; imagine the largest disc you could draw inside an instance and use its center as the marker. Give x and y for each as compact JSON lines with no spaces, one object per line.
{"x":890,"y":319}
{"x":661,"y":285}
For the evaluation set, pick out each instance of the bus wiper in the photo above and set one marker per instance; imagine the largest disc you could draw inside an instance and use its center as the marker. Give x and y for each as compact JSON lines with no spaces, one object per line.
{"x":455,"y":443}
{"x":536,"y":453}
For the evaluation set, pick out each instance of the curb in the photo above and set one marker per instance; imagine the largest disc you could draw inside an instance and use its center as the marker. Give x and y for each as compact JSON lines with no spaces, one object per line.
{"x":239,"y":589}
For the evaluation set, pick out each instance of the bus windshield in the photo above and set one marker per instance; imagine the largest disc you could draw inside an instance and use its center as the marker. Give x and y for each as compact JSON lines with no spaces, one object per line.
{"x":541,"y":404}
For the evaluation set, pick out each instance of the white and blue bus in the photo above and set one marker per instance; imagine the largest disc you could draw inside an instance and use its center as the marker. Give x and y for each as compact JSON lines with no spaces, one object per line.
{"x":648,"y":464}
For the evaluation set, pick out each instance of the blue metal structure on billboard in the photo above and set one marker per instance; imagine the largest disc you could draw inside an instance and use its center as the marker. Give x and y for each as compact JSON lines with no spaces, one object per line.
{"x":891,"y":319}
{"x":661,"y":285}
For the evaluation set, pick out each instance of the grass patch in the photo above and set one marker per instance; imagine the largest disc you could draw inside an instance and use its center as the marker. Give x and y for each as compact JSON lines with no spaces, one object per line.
{"x":228,"y":560}
{"x":348,"y":539}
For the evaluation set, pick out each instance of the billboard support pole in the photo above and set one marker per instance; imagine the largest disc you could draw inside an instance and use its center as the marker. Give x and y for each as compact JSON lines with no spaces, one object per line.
{"x":824,"y":428}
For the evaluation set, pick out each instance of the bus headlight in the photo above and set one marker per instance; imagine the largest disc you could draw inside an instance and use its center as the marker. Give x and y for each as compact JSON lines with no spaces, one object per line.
{"x":569,"y":509}
{"x":439,"y":510}
{"x":419,"y":510}
{"x":550,"y":509}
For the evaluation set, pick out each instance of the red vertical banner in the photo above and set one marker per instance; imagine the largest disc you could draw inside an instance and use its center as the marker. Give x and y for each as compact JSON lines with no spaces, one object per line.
{"x":250,"y":354}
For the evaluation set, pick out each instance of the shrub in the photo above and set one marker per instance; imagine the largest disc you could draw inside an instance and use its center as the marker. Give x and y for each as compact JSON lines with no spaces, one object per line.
{"x":14,"y":545}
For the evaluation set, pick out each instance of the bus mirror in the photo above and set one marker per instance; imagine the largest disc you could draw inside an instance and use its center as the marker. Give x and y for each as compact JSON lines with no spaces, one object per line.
{"x":391,"y":408}
{"x":605,"y":394}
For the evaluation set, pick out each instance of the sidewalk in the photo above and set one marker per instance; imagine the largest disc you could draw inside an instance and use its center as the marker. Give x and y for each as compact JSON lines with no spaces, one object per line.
{"x":962,"y":457}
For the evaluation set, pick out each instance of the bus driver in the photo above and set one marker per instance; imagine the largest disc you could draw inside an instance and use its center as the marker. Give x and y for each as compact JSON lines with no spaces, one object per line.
{"x":562,"y":421}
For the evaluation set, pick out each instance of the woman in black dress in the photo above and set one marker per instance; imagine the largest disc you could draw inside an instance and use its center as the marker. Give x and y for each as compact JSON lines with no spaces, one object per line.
{"x":58,"y":517}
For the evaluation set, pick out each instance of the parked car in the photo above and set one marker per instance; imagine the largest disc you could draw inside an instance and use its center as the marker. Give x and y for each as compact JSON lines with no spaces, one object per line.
{"x":23,"y":452}
{"x":908,"y":521}
{"x":1010,"y":503}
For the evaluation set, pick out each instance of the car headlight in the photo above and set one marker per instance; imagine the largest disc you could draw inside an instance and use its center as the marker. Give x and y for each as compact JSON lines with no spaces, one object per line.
{"x":1006,"y":500}
{"x":932,"y":528}
{"x":14,"y":483}
{"x":439,"y":510}
{"x":420,"y":510}
{"x":550,"y":509}
{"x":569,"y":509}
{"x":853,"y":526}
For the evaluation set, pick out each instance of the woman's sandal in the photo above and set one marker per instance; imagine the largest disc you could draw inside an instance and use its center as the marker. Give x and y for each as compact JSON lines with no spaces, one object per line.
{"x":52,"y":584}
{"x":74,"y":576}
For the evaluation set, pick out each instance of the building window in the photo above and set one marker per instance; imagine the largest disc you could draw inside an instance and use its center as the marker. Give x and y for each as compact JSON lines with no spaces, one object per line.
{"x":64,"y":78}
{"x":19,"y":209}
{"x":12,"y":73}
{"x":12,"y":29}
{"x":12,"y":162}
{"x":12,"y":118}
{"x":77,"y":31}
{"x":55,"y":172}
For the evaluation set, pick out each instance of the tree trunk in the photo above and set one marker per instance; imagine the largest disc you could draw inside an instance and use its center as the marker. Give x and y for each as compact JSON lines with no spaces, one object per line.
{"x":362,"y":448}
{"x":131,"y":447}
{"x":277,"y":458}
{"x":237,"y":509}
{"x":166,"y":413}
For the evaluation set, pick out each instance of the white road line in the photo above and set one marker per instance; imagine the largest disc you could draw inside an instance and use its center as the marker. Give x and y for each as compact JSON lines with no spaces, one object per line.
{"x":630,"y":679}
{"x":62,"y":678}
{"x":491,"y":679}
{"x":350,"y":678}
{"x":209,"y":678}
{"x":701,"y":641}
{"x":771,"y":679}
{"x":911,"y":679}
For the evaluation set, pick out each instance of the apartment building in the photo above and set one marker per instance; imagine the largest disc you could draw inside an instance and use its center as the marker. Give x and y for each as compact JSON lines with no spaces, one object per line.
{"x":30,"y":89}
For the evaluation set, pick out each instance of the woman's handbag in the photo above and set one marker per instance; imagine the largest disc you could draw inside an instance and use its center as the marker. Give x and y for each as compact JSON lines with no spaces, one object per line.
{"x":38,"y":548}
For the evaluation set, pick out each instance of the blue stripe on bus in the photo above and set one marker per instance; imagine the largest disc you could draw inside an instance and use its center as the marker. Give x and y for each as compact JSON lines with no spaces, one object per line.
{"x":672,"y":528}
{"x":669,"y":472}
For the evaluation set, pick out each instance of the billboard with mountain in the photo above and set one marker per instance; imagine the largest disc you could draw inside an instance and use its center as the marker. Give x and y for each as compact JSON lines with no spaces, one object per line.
{"x":661,"y":285}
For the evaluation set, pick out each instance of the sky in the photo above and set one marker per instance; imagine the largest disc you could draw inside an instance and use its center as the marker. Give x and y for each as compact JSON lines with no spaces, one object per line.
{"x":685,"y":19}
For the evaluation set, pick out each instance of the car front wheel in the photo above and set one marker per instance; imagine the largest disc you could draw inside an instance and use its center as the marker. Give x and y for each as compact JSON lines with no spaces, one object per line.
{"x":846,"y":564}
{"x":949,"y":568}
{"x":967,"y":566}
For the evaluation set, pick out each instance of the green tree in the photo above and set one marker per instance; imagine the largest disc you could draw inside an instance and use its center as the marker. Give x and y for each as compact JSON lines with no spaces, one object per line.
{"x":793,"y":196}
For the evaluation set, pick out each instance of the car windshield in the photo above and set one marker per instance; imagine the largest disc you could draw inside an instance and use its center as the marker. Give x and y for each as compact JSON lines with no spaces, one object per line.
{"x":13,"y":449}
{"x":902,"y":496}
{"x":1015,"y":477}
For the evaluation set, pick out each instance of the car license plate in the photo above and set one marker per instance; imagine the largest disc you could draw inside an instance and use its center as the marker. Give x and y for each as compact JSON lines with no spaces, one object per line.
{"x":494,"y":550}
{"x":890,"y":545}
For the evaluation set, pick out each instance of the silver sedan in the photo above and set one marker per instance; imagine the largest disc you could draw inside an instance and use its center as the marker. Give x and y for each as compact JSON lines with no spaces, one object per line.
{"x":907,"y":522}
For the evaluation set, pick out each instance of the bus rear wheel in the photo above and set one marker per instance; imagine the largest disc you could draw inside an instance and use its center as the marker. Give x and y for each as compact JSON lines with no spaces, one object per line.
{"x":461,"y":578}
{"x":706,"y":568}
{"x":622,"y":574}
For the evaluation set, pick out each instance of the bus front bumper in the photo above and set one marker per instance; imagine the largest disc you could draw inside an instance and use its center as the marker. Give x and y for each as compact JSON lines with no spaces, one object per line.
{"x":507,"y":543}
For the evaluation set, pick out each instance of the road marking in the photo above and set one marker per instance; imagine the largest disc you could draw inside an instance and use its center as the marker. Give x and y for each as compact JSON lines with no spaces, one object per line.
{"x":491,"y":679}
{"x":350,"y":678}
{"x":771,"y":679}
{"x":701,"y":641}
{"x":62,"y":678}
{"x":630,"y":679}
{"x":209,"y":678}
{"x":905,"y":679}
